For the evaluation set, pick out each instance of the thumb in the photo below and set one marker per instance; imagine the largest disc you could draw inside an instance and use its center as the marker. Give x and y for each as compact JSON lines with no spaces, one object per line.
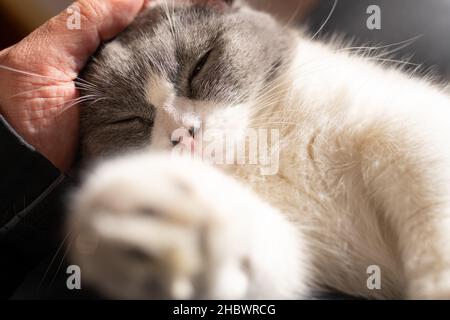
{"x":55,"y":49}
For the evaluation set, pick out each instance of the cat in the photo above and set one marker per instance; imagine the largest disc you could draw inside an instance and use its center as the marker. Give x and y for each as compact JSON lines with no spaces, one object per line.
{"x":363,"y":179}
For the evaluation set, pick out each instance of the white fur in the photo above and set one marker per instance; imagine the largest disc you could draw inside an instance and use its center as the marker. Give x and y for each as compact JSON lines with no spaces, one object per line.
{"x":364,"y":180}
{"x":193,"y":232}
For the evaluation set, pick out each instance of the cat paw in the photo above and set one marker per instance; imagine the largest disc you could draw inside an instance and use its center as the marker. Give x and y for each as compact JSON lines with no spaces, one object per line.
{"x":149,"y":228}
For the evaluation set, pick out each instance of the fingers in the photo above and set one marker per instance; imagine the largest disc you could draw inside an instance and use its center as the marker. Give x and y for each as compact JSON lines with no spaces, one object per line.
{"x":108,"y":17}
{"x":55,"y":49}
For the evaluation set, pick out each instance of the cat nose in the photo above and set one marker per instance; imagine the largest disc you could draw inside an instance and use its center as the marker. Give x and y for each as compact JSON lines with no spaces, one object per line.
{"x":176,"y":142}
{"x":194,"y":130}
{"x":180,"y":134}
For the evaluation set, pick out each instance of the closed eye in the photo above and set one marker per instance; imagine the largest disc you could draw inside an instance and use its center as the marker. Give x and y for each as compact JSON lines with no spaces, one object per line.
{"x":131,"y":120}
{"x":198,"y":68}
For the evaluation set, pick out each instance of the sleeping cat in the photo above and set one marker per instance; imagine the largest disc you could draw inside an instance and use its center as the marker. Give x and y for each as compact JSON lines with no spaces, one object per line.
{"x":362,"y":182}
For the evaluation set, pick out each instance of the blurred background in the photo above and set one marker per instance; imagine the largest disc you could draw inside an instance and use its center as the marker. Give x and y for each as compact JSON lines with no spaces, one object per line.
{"x":19,"y":17}
{"x":400,"y":20}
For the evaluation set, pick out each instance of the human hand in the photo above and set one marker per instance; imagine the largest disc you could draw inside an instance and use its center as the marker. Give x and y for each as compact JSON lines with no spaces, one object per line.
{"x":38,"y":76}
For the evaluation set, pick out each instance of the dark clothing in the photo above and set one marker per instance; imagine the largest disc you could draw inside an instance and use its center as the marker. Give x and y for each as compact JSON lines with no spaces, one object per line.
{"x":31,"y":208}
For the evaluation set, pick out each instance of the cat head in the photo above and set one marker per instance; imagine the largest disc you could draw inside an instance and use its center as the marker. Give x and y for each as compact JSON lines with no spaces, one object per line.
{"x":181,"y":67}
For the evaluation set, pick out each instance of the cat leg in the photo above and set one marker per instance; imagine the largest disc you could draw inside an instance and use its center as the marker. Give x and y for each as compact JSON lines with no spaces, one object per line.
{"x":153,"y":226}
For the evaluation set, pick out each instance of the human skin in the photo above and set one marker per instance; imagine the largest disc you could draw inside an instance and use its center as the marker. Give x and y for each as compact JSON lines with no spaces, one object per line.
{"x":38,"y":106}
{"x":42,"y":109}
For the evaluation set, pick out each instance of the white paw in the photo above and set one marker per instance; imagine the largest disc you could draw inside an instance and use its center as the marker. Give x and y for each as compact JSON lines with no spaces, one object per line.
{"x":155,"y":227}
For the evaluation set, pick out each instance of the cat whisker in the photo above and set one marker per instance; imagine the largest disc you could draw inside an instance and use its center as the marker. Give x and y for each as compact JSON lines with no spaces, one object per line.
{"x":98,"y":100}
{"x":45,"y":87}
{"x":169,"y":16}
{"x":402,"y":44}
{"x":80,"y":80}
{"x":74,"y":102}
{"x":293,"y":16}
{"x":85,"y":86}
{"x":81,"y":84}
{"x":63,"y":258}
{"x":326,"y":20}
{"x":31,"y":74}
{"x":54,"y":258}
{"x":314,"y":68}
{"x":395,"y":61}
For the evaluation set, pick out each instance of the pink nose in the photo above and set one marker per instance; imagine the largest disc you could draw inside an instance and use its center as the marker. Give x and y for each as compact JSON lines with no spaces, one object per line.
{"x":184,"y":137}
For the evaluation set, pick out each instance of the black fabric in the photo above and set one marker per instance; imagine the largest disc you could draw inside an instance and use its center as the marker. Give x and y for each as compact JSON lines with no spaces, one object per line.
{"x":31,"y":206}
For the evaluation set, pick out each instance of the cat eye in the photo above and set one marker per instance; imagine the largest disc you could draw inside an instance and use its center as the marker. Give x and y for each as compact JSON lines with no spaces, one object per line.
{"x":126,"y":120}
{"x":199,"y":67}
{"x":132,"y":120}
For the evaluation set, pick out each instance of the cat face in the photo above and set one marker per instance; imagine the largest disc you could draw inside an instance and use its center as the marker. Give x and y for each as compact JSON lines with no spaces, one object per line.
{"x":180,"y":68}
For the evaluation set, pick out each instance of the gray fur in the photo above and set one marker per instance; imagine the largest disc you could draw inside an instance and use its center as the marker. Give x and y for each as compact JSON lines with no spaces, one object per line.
{"x":247,"y":49}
